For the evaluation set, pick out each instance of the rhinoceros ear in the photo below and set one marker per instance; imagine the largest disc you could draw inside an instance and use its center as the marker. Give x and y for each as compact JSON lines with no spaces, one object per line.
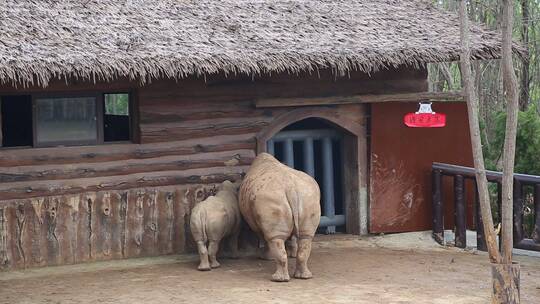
{"x":226,"y":185}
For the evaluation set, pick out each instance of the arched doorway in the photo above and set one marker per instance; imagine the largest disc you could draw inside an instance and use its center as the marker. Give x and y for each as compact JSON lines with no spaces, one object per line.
{"x":330,"y":146}
{"x":315,"y":146}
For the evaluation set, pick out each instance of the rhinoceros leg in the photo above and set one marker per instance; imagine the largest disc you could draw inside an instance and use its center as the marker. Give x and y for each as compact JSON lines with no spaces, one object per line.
{"x":233,"y":244}
{"x":203,"y":256}
{"x":279,"y":254}
{"x":304,"y":250}
{"x":213,"y":247}
{"x":292,"y":246}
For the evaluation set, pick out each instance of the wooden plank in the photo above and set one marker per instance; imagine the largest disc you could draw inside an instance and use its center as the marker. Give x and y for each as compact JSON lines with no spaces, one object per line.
{"x":115,"y":152}
{"x":5,"y":251}
{"x":118,"y":217}
{"x":16,"y":228}
{"x":354,"y":99}
{"x":165,"y":207}
{"x":150,"y":223}
{"x":101,"y":226}
{"x":65,"y":235}
{"x":135,"y":222}
{"x":85,"y":204}
{"x":50,"y":222}
{"x":492,"y":176}
{"x":72,"y":207}
{"x":151,"y":133}
{"x":36,"y":228}
{"x":181,"y":211}
{"x":167,"y":163}
{"x":212,"y":175}
{"x":351,"y":183}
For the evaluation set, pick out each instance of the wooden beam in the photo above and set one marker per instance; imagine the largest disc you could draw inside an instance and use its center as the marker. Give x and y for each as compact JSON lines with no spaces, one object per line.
{"x":352,"y":99}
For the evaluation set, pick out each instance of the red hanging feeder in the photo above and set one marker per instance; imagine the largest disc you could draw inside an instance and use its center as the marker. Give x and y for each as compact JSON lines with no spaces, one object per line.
{"x":425,"y":118}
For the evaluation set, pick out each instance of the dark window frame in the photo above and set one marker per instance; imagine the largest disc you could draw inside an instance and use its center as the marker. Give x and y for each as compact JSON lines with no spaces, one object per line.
{"x":100,"y":116}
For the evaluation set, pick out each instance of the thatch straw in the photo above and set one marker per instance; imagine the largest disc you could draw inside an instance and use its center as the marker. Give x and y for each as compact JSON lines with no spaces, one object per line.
{"x":147,"y":39}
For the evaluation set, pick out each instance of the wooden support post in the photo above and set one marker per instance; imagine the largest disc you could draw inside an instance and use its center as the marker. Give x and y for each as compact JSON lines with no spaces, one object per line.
{"x":518,"y":212}
{"x":460,"y":215}
{"x":499,"y":209}
{"x":479,"y":223}
{"x":1,"y":133}
{"x":438,"y":207}
{"x":536,"y":230}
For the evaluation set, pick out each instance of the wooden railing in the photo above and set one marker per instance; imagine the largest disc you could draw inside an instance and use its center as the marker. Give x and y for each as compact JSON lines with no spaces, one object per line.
{"x":526,"y":198}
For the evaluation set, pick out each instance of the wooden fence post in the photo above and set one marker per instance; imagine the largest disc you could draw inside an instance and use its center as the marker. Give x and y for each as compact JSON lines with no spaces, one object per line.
{"x":536,"y":230}
{"x":438,"y":207}
{"x":518,"y":212}
{"x":460,"y":212}
{"x":480,"y":240}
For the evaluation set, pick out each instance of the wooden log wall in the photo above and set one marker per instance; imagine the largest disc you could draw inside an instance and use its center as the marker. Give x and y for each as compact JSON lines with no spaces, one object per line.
{"x":69,"y":205}
{"x":93,"y":226}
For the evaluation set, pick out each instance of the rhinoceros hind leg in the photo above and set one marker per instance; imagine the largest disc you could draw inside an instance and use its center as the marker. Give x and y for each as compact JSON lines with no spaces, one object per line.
{"x":203,"y":256}
{"x":213,"y":247}
{"x":293,"y":247}
{"x":279,"y":254}
{"x":304,"y":250}
{"x":233,"y":244}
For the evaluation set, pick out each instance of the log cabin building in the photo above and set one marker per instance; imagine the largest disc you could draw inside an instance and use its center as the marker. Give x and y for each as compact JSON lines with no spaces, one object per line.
{"x":117,"y":117}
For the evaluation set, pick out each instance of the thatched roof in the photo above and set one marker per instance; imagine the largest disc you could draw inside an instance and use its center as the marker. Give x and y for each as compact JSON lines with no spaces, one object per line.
{"x":146,"y":39}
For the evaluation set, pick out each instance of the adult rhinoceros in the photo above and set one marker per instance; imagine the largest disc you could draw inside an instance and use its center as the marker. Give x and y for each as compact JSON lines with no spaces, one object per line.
{"x":279,"y":203}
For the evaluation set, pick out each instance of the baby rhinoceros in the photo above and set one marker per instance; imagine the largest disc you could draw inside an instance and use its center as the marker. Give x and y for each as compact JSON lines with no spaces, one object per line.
{"x":213,"y":219}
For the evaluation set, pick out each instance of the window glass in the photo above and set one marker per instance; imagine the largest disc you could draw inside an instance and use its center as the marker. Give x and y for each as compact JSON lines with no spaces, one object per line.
{"x":116,"y":119}
{"x":117,"y":104}
{"x":60,"y":120}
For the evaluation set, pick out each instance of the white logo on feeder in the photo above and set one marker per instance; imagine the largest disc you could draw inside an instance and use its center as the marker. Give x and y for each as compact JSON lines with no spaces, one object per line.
{"x":425,"y":107}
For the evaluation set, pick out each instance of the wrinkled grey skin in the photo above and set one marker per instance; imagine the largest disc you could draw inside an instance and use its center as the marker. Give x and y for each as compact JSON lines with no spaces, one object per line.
{"x":280,"y":203}
{"x":213,"y":219}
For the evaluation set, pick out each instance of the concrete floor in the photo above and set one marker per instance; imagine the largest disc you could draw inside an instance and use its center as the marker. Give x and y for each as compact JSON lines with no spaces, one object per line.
{"x":405,"y":268}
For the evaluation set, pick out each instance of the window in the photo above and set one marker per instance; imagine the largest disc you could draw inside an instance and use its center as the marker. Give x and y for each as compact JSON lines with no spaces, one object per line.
{"x":44,"y":121}
{"x":116,"y":118}
{"x":16,"y":117}
{"x":66,"y":120}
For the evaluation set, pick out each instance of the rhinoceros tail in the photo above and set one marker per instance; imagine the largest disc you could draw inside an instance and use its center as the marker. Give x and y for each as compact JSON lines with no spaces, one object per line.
{"x":294,"y":203}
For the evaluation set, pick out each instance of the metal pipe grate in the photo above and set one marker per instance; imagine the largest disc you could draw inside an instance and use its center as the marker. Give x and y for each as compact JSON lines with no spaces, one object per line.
{"x":329,"y":220}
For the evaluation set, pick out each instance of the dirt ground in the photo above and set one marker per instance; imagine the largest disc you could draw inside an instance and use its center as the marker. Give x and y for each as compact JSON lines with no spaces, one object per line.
{"x":346,"y":270}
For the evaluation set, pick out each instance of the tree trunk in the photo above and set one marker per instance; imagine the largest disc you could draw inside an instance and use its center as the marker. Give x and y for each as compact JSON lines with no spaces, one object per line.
{"x":511,"y":87}
{"x":505,"y":279}
{"x":506,"y":274}
{"x":474,"y":125}
{"x":525,"y":64}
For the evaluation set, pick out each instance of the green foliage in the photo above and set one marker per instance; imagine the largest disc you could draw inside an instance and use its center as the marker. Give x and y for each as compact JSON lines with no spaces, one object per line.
{"x":117,"y":104}
{"x":528,"y":141}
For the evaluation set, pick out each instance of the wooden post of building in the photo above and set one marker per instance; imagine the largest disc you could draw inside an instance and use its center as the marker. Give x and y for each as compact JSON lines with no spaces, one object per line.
{"x":460,"y":215}
{"x":499,"y":208}
{"x":518,"y":212}
{"x":480,"y":240}
{"x":536,"y":230}
{"x":438,"y":207}
{"x":1,"y":134}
